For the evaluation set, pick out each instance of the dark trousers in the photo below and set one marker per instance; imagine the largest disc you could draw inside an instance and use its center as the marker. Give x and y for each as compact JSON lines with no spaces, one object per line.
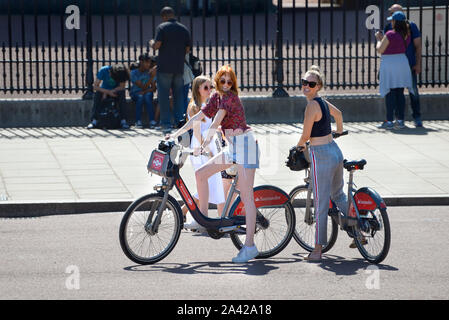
{"x":175,"y":82}
{"x":120,"y":101}
{"x":395,"y":102}
{"x":414,"y":98}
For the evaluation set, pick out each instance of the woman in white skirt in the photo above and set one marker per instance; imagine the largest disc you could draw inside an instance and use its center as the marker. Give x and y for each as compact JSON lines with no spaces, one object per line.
{"x":395,"y":74}
{"x":201,"y":89}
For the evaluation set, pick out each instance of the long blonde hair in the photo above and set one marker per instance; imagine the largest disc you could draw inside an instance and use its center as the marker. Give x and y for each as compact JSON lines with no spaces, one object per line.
{"x":195,"y":102}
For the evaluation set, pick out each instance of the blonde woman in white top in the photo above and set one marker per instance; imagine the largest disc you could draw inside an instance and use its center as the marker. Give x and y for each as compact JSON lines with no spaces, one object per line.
{"x":201,"y":89}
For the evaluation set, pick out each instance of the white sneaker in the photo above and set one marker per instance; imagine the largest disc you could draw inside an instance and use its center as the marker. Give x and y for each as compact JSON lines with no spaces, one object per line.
{"x":246,"y":254}
{"x":194,"y":226}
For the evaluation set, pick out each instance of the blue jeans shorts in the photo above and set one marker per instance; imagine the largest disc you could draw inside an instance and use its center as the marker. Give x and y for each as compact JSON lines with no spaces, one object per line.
{"x":243,"y":150}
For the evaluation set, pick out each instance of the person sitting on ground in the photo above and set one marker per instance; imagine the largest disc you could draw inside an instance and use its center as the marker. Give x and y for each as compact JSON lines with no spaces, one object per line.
{"x":143,"y":88}
{"x":110,"y":82}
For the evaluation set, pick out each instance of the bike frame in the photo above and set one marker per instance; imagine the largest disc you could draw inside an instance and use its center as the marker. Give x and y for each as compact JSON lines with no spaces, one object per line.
{"x":264,"y":196}
{"x":362,"y":199}
{"x":208,"y":223}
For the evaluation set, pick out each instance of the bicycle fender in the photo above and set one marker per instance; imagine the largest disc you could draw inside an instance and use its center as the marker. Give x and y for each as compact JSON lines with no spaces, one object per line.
{"x":265,"y":195}
{"x":368,"y":199}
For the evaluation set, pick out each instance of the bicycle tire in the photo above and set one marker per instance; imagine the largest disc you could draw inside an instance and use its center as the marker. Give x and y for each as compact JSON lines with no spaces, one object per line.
{"x":280,"y":224}
{"x":308,"y":242}
{"x":171,"y":225}
{"x":378,"y":258}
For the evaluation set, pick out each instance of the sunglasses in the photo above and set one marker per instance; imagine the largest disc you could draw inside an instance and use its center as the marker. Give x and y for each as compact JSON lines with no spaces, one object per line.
{"x":207,"y":88}
{"x":311,"y":84}
{"x":229,"y":82}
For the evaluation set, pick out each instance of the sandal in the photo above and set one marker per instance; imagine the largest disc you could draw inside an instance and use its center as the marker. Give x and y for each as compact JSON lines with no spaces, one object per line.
{"x":310,"y":259}
{"x":353,"y":245}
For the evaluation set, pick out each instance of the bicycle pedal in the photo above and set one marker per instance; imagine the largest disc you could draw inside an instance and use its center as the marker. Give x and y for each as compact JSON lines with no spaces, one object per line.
{"x":241,"y":230}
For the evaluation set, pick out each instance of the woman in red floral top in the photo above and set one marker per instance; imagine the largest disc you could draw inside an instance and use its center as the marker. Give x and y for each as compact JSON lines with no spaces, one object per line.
{"x":227,"y":111}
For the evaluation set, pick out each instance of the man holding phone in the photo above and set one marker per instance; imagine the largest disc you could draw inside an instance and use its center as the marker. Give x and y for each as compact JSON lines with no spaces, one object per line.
{"x":414,"y":55}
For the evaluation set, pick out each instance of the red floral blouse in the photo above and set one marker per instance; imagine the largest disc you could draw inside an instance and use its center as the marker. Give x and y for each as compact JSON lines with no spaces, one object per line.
{"x":235,"y":114}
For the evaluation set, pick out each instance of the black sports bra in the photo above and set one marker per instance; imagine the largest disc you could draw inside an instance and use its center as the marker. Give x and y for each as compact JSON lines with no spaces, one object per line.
{"x":323,"y":127}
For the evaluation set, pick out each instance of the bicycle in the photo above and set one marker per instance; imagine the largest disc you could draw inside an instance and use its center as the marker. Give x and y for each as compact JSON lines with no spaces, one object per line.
{"x":152,"y":224}
{"x":367,"y":216}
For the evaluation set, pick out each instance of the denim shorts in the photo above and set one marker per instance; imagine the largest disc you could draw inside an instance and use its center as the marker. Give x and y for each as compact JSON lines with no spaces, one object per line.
{"x":243,"y":150}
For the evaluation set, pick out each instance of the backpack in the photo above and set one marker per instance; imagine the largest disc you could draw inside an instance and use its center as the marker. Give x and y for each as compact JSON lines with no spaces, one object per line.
{"x":108,"y":115}
{"x":196,"y":65}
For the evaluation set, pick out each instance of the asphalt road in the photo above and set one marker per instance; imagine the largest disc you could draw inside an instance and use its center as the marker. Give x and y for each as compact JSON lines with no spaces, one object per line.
{"x":79,"y":257}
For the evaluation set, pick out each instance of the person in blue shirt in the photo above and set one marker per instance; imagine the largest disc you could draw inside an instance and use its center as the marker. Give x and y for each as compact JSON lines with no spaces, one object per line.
{"x":110,"y":82}
{"x":414,"y":55}
{"x":143,"y":88}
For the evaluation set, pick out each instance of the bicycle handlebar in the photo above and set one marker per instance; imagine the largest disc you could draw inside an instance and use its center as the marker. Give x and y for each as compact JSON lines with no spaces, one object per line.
{"x":184,"y":150}
{"x":190,"y":152}
{"x":337,"y":135}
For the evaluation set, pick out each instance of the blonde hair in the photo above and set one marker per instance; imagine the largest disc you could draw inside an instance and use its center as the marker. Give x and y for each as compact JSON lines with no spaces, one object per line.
{"x":315,"y":70}
{"x":195,"y":102}
{"x":223,"y":71}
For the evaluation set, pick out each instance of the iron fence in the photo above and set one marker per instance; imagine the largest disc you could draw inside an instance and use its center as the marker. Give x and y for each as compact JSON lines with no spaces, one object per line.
{"x":269,"y":43}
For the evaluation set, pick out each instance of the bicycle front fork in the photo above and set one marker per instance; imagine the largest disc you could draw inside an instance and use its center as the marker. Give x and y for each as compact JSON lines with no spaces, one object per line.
{"x":152,"y":227}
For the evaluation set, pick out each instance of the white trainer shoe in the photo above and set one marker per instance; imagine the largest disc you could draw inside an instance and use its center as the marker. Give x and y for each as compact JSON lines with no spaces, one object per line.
{"x":245,"y":254}
{"x":194,"y":226}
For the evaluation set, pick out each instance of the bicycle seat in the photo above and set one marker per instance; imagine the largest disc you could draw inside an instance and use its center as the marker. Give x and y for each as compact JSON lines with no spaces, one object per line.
{"x":354,"y":164}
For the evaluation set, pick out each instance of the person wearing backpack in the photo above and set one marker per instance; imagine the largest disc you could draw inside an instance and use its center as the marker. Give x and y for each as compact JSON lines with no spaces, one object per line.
{"x":110,"y":85}
{"x":414,"y":56}
{"x":173,"y":41}
{"x":394,"y":72}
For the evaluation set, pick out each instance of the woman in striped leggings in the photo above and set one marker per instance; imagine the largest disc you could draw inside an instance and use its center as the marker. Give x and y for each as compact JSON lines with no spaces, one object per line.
{"x":325,"y":155}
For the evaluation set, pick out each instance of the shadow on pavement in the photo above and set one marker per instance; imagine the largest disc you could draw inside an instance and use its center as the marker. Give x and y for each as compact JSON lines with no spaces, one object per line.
{"x":348,"y":267}
{"x":413,"y":131}
{"x":254,"y":267}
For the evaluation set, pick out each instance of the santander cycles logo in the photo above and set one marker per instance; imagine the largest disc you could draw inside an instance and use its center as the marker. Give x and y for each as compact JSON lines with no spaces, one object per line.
{"x":157,"y":162}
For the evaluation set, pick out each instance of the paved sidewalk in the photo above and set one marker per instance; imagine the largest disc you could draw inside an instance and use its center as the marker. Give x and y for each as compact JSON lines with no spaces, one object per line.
{"x":76,"y":164}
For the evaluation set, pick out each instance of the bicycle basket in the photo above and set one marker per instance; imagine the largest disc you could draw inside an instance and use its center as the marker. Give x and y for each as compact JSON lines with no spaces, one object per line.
{"x":158,"y":163}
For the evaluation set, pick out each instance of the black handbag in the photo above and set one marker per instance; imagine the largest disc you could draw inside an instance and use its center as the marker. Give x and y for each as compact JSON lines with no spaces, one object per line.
{"x":296,"y":160}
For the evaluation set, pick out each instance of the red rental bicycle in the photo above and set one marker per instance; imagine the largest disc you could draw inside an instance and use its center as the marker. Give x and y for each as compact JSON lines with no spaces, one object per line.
{"x":367,"y":222}
{"x":152,"y":224}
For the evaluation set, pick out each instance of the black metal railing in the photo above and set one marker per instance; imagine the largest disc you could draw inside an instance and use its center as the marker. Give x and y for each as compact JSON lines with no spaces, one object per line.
{"x":269,"y":43}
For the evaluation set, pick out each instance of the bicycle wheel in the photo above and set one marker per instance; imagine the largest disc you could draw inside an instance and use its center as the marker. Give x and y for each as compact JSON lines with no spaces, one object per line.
{"x":373,"y":236}
{"x":140,"y":239}
{"x":274,"y":231}
{"x":304,"y":233}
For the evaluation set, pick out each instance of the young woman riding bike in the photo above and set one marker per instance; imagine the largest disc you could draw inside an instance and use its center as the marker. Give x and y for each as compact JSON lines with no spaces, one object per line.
{"x":227,"y":110}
